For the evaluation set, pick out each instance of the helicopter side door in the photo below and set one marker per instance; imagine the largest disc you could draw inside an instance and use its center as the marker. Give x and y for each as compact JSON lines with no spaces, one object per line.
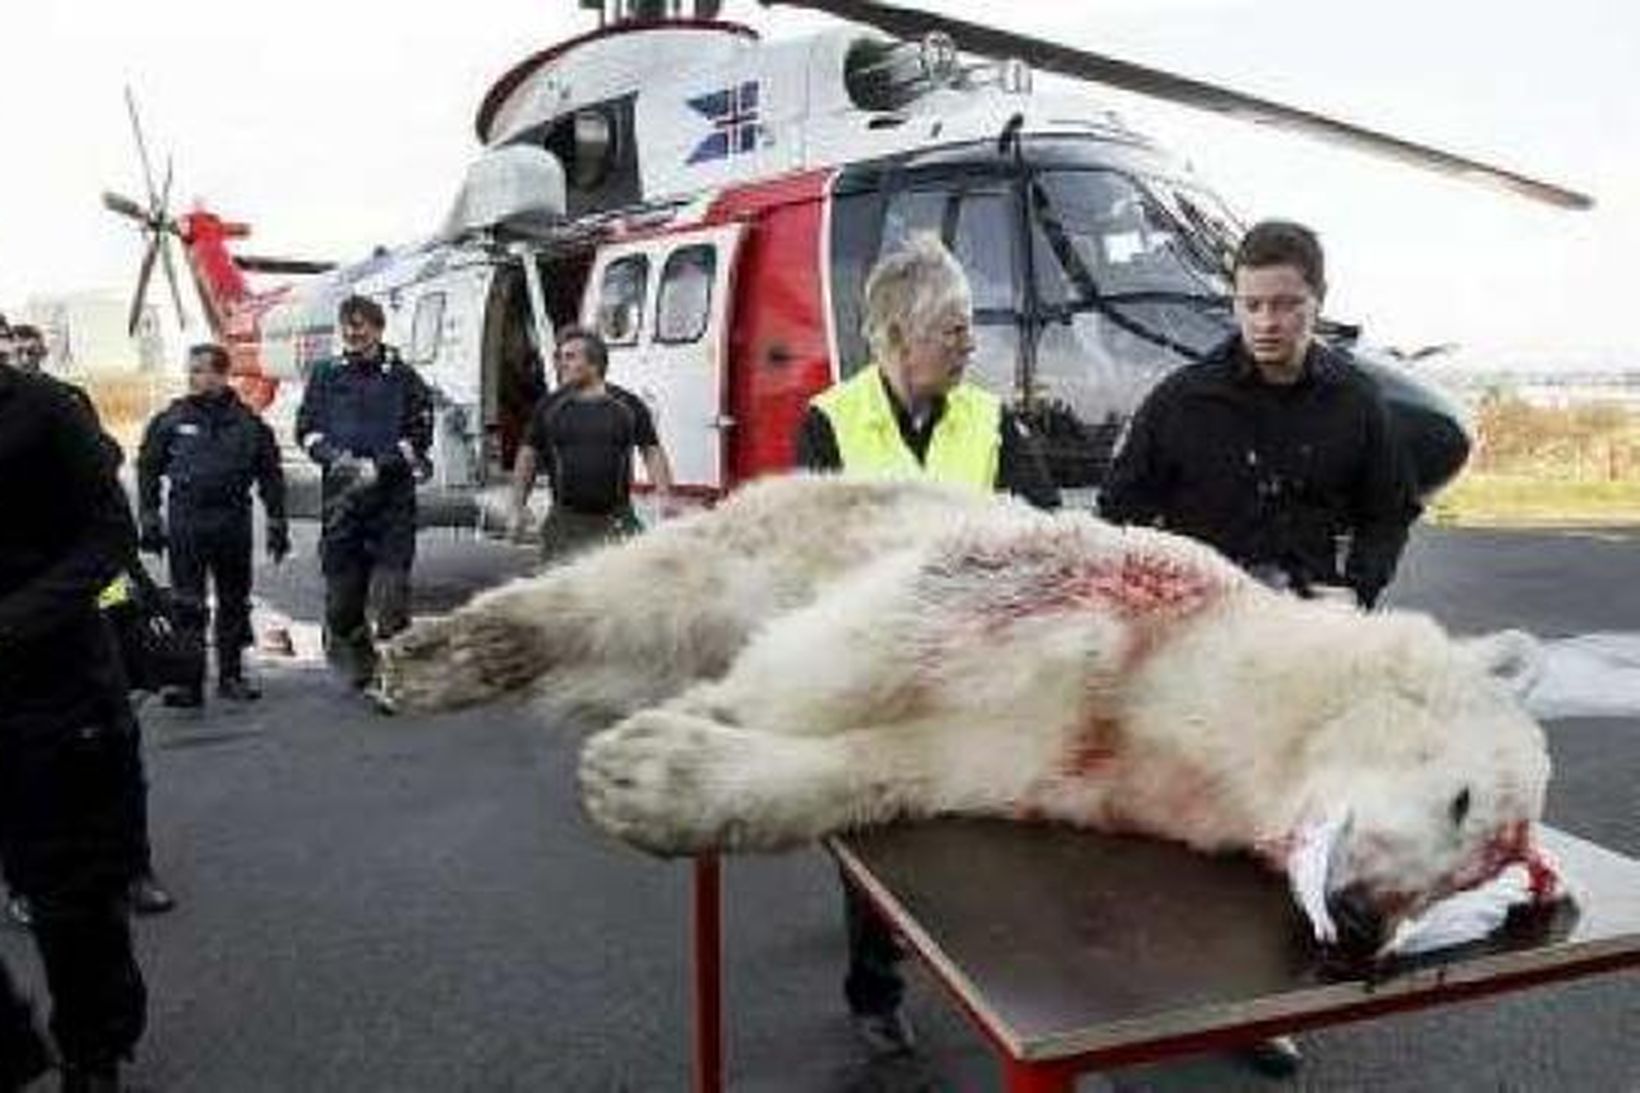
{"x":662,"y":304}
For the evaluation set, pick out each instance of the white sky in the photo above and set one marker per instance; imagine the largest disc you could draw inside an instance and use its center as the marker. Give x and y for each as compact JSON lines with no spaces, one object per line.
{"x":333,"y":126}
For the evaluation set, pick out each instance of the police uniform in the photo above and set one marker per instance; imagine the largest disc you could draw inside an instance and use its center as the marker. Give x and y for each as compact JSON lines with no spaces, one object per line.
{"x":967,"y":438}
{"x":211,"y":449}
{"x":69,"y":775}
{"x":366,"y":410}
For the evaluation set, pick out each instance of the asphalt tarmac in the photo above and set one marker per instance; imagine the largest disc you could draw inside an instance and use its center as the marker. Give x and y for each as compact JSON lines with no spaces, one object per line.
{"x":373,"y":903}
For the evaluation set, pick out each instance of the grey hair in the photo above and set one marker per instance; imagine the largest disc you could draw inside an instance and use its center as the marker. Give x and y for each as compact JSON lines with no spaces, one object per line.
{"x":908,"y":289}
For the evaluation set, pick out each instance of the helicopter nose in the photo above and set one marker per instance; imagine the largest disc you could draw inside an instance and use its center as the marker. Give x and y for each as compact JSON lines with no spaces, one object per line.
{"x":1362,"y":927}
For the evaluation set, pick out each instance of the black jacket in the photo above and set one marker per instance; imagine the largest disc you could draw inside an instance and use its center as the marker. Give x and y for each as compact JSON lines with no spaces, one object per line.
{"x":212,"y":449}
{"x":1276,"y":477}
{"x":67,"y":532}
{"x":1021,"y":470}
{"x":377,"y":409}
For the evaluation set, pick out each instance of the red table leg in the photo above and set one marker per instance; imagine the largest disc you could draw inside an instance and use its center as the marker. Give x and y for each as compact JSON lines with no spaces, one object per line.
{"x":1019,"y":1076}
{"x":708,"y":921}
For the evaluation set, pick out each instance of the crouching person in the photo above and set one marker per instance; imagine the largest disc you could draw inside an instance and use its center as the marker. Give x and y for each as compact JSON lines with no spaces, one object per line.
{"x":211,"y":448}
{"x":367,"y":419}
{"x":910,"y":414}
{"x":70,"y":774}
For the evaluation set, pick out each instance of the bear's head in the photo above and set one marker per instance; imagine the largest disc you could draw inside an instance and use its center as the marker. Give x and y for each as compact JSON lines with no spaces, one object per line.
{"x":1430,"y":777}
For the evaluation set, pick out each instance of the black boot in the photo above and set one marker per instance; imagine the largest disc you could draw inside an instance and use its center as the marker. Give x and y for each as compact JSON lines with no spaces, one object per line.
{"x":189,"y":697}
{"x":23,"y":1052}
{"x":102,"y":1079}
{"x":149,"y":897}
{"x":236,"y":689}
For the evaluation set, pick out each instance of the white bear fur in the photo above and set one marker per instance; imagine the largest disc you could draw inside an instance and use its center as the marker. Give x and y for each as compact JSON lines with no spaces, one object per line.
{"x":818,"y":654}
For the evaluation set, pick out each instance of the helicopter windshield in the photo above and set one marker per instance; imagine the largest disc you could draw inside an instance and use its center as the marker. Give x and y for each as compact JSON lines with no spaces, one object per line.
{"x":1128,"y":285}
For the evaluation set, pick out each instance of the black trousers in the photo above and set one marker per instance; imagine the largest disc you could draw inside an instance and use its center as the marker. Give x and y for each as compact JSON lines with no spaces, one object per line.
{"x":71,"y":838}
{"x":220,"y":555}
{"x":22,"y":1049}
{"x":873,"y":984}
{"x":366,"y":546}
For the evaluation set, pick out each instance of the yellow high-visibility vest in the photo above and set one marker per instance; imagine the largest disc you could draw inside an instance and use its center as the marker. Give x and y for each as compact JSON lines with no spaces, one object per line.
{"x":114,"y":593}
{"x":964,"y":450}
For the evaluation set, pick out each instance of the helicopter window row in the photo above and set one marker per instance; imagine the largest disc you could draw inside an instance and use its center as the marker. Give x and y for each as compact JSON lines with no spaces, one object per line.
{"x":621,"y":298}
{"x":426,"y":327}
{"x":684,"y":303}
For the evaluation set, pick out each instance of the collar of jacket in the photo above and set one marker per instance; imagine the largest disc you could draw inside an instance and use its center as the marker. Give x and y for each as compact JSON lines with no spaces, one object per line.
{"x":1320,"y":365}
{"x":384,"y":358}
{"x":902,"y":413}
{"x":225,"y":399}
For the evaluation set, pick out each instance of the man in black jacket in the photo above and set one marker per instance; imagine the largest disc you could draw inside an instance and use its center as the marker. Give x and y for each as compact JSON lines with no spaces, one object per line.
{"x":69,"y":776}
{"x":1276,"y":450}
{"x":367,"y":419}
{"x":211,"y":448}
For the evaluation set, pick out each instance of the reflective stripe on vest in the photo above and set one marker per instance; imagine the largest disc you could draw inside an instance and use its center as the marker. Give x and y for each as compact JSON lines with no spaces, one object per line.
{"x":116,"y":592}
{"x":963,"y":451}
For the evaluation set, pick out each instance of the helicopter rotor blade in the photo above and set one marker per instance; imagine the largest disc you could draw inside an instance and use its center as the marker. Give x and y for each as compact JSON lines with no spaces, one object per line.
{"x":142,"y":150}
{"x":1156,"y":83}
{"x":165,"y":250}
{"x":171,"y":279}
{"x":143,"y":276}
{"x":124,"y":206}
{"x":256,"y":263}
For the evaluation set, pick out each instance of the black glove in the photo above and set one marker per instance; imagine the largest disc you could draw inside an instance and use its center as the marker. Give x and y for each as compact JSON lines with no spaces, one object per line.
{"x":278,"y":540}
{"x":151,"y":540}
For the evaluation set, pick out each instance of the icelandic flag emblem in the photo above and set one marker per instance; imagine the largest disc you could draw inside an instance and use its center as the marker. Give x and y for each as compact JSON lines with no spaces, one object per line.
{"x":735,"y":128}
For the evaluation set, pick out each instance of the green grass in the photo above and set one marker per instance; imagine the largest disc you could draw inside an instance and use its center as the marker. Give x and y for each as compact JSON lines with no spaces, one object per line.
{"x":1497,"y":499}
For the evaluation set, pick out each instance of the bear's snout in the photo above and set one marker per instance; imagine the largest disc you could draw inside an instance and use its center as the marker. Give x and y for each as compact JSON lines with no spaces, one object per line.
{"x":1362,"y":926}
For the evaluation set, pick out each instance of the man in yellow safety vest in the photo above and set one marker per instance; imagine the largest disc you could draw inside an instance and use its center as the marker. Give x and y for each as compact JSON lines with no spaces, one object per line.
{"x":910,"y":415}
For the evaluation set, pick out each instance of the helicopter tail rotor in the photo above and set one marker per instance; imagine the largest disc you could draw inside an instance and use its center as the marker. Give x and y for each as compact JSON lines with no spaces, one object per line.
{"x":157,"y":225}
{"x":1081,"y":64}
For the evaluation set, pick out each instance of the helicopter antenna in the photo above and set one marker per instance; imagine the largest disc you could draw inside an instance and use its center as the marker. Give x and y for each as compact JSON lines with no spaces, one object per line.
{"x":1081,"y":64}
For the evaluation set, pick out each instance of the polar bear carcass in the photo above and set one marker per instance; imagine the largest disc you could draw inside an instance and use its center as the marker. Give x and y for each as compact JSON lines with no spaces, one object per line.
{"x":820,"y":654}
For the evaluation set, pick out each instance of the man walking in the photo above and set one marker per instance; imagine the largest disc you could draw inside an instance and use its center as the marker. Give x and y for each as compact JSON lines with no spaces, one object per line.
{"x":367,"y":419}
{"x":210,"y":448}
{"x":584,"y":434}
{"x":70,"y":775}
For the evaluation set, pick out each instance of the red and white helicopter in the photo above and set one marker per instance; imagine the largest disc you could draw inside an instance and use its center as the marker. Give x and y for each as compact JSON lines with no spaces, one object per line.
{"x":711,"y":202}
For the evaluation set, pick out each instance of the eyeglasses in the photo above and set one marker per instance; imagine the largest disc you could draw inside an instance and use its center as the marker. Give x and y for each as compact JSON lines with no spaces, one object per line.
{"x":1276,"y":305}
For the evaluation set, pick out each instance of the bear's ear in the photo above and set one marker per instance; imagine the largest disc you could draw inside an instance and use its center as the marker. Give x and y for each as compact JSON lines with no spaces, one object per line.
{"x":1513,"y":657}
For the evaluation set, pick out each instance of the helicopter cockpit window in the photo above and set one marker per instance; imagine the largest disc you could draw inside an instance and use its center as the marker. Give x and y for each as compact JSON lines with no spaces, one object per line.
{"x":621,"y":299}
{"x":1127,"y":291}
{"x":977,"y":224}
{"x":684,"y":303}
{"x":594,"y":149}
{"x":425,"y":328}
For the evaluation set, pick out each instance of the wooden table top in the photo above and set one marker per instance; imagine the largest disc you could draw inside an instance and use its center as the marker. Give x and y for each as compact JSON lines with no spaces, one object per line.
{"x":1064,"y":942}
